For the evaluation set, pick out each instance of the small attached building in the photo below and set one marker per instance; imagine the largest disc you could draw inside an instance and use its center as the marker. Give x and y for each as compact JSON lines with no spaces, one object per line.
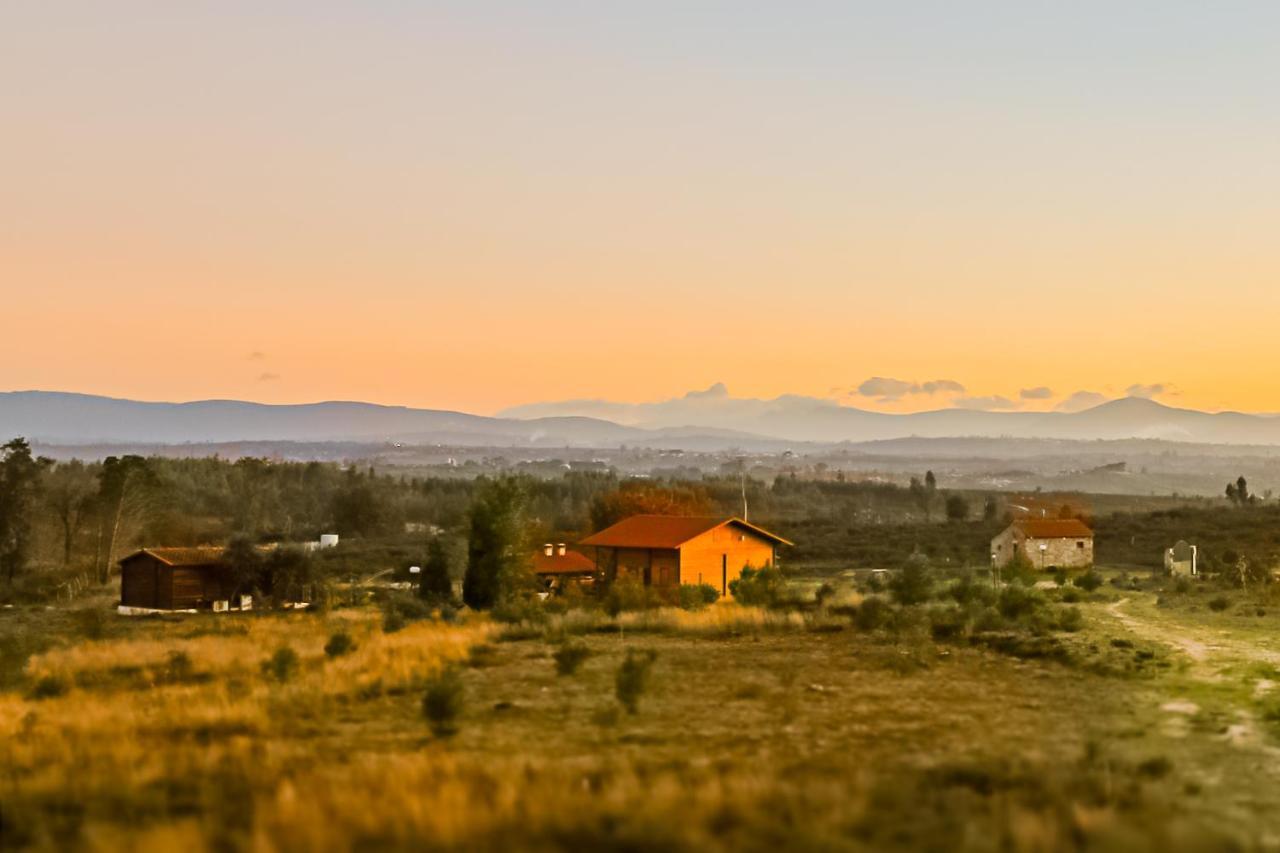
{"x":1047,"y":543}
{"x":556,"y":565}
{"x":666,"y":551}
{"x":174,"y":579}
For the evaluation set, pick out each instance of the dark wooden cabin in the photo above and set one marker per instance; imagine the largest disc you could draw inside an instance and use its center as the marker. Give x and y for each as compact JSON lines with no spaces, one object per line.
{"x":174,"y":579}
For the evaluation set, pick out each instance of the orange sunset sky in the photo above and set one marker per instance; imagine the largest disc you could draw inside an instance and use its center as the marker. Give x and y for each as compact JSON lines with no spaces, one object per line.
{"x":478,"y":205}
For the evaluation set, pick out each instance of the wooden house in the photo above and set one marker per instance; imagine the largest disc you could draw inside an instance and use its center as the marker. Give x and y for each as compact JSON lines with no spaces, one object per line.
{"x":663,"y":550}
{"x":174,"y":579}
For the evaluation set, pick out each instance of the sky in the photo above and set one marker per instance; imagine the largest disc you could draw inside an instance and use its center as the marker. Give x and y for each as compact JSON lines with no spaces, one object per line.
{"x":479,"y":205}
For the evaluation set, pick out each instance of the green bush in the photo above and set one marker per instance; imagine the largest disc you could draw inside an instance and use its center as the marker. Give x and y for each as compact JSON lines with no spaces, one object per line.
{"x":570,"y":656}
{"x":178,"y":668}
{"x":758,"y":587}
{"x":1219,"y":603}
{"x":340,"y":643}
{"x":91,"y":623}
{"x":1070,"y":619}
{"x":1017,"y":602}
{"x":1089,"y":581}
{"x":633,"y":678}
{"x":947,"y":623}
{"x":873,"y":613}
{"x":912,"y":584}
{"x":443,"y":701}
{"x":282,"y":665}
{"x":697,"y":596}
{"x":628,"y":595}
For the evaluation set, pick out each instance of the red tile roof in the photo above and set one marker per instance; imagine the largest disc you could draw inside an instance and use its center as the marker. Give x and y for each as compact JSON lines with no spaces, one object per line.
{"x":666,"y":531}
{"x":1053,"y":528}
{"x":570,"y":563}
{"x":205,"y":555}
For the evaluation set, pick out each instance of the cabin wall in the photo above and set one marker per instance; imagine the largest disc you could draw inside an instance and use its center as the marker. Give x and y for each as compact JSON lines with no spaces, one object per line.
{"x":718,"y":556}
{"x":140,"y":582}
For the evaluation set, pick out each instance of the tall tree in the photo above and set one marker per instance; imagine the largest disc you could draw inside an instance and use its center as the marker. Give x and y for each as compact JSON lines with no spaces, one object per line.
{"x":122,"y":486}
{"x":436,"y":585}
{"x":19,"y":484}
{"x":69,"y":493}
{"x":497,"y":549}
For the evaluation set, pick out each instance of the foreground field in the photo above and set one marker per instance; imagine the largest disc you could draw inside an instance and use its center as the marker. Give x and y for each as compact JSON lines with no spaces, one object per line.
{"x":754,"y":731}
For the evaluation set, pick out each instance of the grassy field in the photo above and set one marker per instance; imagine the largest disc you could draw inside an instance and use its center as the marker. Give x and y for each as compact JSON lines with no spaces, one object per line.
{"x":753,"y":730}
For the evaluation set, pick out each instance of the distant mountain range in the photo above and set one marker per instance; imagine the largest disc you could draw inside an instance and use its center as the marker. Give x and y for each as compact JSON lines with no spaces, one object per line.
{"x":706,"y":423}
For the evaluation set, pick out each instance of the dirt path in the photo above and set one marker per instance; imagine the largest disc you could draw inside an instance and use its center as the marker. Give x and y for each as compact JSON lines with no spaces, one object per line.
{"x":1209,"y":654}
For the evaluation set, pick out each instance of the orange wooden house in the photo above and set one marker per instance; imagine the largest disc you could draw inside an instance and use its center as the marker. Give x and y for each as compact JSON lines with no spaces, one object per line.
{"x":664,"y":550}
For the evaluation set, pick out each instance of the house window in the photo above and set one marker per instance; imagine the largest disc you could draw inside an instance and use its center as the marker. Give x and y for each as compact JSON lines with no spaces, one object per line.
{"x":1080,"y":545}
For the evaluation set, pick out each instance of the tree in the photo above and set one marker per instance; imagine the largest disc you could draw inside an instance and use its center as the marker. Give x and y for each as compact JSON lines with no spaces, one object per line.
{"x":990,"y":509}
{"x":921,"y":496}
{"x":69,"y":493}
{"x":1238,"y":492}
{"x":285,"y":575}
{"x":244,"y":566}
{"x":122,"y":486}
{"x":911,"y":585}
{"x":436,"y":585}
{"x":19,"y":484}
{"x":648,"y":499}
{"x":957,"y":507}
{"x":497,"y":549}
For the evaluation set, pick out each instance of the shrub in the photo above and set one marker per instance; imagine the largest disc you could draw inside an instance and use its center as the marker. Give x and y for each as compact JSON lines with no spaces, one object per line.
{"x":392,"y":621}
{"x":340,"y":643}
{"x":91,"y":622}
{"x":1219,"y":603}
{"x":442,"y":702}
{"x":912,"y":585}
{"x":1089,"y":581}
{"x":282,"y":665}
{"x":516,"y":609}
{"x":1070,"y":619}
{"x":1017,"y":602}
{"x":627,"y":595}
{"x":697,"y":596}
{"x":873,"y":613}
{"x":570,"y":656}
{"x":967,"y":590}
{"x":947,"y":623}
{"x":632,"y":678}
{"x":758,"y":587}
{"x":49,"y":687}
{"x":178,"y":667}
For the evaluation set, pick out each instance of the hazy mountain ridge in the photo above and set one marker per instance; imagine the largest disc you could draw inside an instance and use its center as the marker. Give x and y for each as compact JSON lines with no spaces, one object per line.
{"x":702,"y":422}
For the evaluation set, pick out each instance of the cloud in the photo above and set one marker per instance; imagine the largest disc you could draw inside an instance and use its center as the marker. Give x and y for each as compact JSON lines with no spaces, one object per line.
{"x":1040,"y":392}
{"x":887,"y":390}
{"x":995,"y":401}
{"x":268,"y":377}
{"x":1080,"y":401}
{"x":1147,"y":392}
{"x":257,"y":355}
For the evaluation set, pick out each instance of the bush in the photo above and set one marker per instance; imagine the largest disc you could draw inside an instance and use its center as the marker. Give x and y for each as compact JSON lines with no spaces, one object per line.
{"x":632,"y":678}
{"x":49,"y":687}
{"x":627,"y":595}
{"x":442,"y":702}
{"x":697,"y":596}
{"x":758,"y":587}
{"x":178,"y":668}
{"x":947,"y":623}
{"x":339,"y":644}
{"x":570,"y":656}
{"x":967,"y":590}
{"x":912,"y":585}
{"x":873,"y":613}
{"x":1219,"y":603}
{"x":1070,"y":619}
{"x":91,"y":622}
{"x":515,"y":609}
{"x":1017,"y":602}
{"x":282,"y":665}
{"x":1089,"y":581}
{"x":399,"y":609}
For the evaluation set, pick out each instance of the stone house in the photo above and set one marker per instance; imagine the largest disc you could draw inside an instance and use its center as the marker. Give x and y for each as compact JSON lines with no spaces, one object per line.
{"x":1047,"y":543}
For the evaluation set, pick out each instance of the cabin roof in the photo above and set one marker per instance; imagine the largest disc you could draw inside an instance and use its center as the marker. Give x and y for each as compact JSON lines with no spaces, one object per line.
{"x":205,"y":555}
{"x":570,"y":563}
{"x":1053,"y":528}
{"x":667,"y":531}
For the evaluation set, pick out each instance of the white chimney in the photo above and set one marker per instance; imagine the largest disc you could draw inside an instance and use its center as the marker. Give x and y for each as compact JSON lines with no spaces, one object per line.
{"x":548,"y":549}
{"x":560,"y":549}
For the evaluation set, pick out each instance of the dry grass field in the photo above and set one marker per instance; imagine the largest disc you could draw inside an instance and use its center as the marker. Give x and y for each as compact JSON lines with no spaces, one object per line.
{"x":753,"y":730}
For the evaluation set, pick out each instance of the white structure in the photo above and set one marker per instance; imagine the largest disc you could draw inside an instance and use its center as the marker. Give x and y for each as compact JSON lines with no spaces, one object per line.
{"x":1180,"y":560}
{"x":328,"y":540}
